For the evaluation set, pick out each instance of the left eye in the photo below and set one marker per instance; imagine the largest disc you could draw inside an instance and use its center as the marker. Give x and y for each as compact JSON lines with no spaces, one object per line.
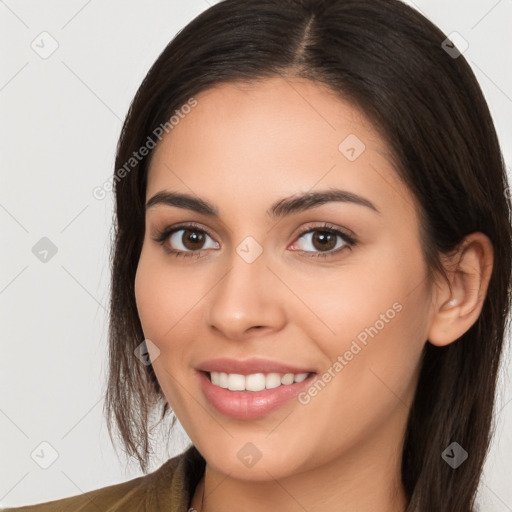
{"x":323,"y":240}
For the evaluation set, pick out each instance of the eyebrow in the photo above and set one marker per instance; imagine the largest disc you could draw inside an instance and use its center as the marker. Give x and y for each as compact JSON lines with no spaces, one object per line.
{"x":281,"y":208}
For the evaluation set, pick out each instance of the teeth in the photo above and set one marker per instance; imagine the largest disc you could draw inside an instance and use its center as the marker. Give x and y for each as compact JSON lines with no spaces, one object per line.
{"x":254,"y":381}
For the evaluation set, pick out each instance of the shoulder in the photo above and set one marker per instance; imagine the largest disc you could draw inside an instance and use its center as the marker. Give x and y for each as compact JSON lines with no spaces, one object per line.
{"x":164,"y":487}
{"x":99,"y":499}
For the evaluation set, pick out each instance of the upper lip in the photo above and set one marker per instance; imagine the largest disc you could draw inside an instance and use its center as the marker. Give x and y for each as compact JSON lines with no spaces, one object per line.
{"x":249,"y":366}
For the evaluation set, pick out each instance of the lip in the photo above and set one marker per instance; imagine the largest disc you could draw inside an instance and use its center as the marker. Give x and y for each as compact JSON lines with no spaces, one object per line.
{"x":250,"y":405}
{"x":248,"y":366}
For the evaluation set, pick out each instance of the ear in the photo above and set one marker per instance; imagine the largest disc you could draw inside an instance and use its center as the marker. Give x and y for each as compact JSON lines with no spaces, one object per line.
{"x":458,"y":302}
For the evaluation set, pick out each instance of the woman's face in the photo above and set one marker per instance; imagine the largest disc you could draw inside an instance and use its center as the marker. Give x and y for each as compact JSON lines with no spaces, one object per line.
{"x":260,"y":280}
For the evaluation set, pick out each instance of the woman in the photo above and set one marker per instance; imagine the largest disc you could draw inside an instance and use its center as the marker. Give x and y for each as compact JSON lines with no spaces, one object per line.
{"x":311,"y":265}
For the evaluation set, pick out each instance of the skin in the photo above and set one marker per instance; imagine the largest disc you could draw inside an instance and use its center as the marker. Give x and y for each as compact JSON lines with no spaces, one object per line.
{"x":242,"y":148}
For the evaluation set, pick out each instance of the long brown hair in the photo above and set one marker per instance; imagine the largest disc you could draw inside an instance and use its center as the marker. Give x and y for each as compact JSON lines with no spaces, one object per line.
{"x":392,"y":63}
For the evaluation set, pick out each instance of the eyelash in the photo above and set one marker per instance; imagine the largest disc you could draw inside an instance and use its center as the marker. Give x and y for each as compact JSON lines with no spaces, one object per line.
{"x":163,"y":235}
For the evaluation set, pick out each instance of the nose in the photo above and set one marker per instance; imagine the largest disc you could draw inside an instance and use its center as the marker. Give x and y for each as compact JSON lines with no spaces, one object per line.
{"x":247,"y":298}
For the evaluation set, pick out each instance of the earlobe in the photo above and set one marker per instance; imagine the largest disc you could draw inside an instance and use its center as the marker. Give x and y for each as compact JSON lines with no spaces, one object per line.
{"x":458,"y":302}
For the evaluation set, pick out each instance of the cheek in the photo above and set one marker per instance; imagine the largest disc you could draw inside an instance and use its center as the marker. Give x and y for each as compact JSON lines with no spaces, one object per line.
{"x":368,"y":289}
{"x":164,"y":302}
{"x":165,"y":297}
{"x":371,"y":323}
{"x":370,"y":373}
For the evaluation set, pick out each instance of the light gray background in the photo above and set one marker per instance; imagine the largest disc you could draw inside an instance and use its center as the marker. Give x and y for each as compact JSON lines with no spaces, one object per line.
{"x":60,"y":120}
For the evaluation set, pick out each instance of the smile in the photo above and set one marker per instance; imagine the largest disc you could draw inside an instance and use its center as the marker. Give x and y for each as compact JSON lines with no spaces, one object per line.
{"x":254,"y":381}
{"x":250,"y":400}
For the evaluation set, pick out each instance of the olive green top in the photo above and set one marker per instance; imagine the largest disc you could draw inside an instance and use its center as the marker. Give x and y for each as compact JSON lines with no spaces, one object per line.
{"x":168,"y":489}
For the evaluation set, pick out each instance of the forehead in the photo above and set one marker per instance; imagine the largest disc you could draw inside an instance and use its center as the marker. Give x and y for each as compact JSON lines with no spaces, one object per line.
{"x":249,"y":142}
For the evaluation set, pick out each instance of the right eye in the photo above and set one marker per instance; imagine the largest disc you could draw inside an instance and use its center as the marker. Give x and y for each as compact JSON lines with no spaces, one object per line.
{"x":184,"y":240}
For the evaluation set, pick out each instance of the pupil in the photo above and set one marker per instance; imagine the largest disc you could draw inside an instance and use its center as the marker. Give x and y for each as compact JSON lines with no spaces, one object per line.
{"x":194,"y":238}
{"x":323,"y":239}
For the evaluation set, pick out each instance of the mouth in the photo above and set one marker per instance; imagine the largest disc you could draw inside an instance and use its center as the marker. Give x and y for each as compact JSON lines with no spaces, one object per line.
{"x":255,"y":382}
{"x":247,"y":397}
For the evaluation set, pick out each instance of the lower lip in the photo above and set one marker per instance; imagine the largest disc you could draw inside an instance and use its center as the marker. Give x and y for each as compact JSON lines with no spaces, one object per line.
{"x":249,"y":405}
